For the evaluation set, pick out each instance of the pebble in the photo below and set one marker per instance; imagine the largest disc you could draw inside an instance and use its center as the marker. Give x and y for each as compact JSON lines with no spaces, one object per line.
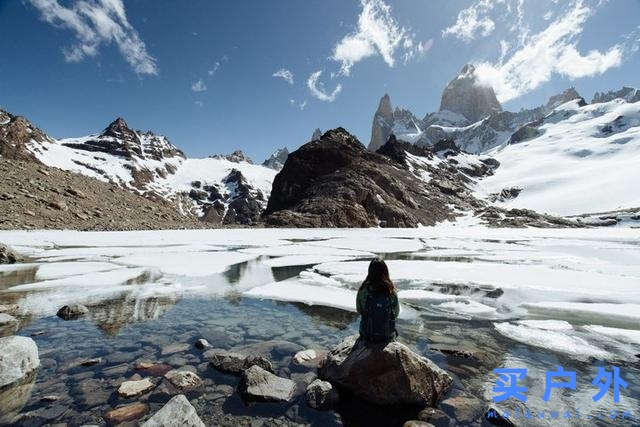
{"x":125,"y":413}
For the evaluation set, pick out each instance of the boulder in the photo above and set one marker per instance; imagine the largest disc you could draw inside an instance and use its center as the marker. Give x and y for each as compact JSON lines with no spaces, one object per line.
{"x":71,"y":312}
{"x":177,"y":412}
{"x":225,"y":361}
{"x":320,"y":394}
{"x":467,"y":409}
{"x":183,"y":380}
{"x":234,"y":363}
{"x":385,"y":374}
{"x":18,"y":358}
{"x":7,"y":256}
{"x":309,"y":358}
{"x":130,"y":389}
{"x":258,"y":384}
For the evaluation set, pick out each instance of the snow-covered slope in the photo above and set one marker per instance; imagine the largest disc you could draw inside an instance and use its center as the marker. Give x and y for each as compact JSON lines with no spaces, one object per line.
{"x":149,"y":164}
{"x":586,"y":159}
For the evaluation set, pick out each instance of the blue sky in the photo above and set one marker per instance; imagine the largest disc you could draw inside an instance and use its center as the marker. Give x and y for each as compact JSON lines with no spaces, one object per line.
{"x":202,"y":72}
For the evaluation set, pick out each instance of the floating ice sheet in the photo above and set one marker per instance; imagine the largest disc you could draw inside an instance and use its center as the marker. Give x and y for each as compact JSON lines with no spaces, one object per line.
{"x":89,"y":280}
{"x":196,"y":264}
{"x":292,"y":260}
{"x":554,"y":340}
{"x":616,"y":313}
{"x":59,"y":270}
{"x":623,"y":335}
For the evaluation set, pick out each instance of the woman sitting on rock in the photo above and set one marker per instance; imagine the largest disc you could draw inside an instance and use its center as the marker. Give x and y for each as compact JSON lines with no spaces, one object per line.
{"x":377,"y":303}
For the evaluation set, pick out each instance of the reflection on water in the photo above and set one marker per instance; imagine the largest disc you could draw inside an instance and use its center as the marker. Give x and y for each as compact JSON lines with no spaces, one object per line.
{"x":157,"y":319}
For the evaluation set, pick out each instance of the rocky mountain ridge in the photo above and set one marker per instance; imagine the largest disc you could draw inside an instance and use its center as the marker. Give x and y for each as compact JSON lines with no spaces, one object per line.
{"x":469,"y":113}
{"x":336,"y":182}
{"x":223,"y":190}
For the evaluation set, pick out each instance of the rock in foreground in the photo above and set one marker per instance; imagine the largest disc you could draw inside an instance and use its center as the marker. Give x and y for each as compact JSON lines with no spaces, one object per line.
{"x":7,"y":256}
{"x":258,"y":384}
{"x":320,"y":394}
{"x":177,"y":412}
{"x":388,"y":374}
{"x":71,"y":312}
{"x":18,"y":358}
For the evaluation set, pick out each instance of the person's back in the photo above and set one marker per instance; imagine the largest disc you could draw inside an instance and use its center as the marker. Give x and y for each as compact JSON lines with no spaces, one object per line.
{"x":377,"y":303}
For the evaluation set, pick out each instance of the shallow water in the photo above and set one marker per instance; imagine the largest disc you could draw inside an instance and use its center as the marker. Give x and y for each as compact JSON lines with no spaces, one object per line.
{"x":147,"y":316}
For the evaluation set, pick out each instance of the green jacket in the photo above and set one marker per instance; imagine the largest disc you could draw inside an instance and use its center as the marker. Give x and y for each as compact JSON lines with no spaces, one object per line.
{"x":361,"y":300}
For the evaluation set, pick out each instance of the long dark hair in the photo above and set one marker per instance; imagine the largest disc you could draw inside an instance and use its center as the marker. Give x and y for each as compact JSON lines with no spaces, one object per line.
{"x":378,"y":277}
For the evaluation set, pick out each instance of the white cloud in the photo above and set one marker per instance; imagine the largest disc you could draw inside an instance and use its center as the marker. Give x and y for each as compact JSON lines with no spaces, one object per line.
{"x":317,"y":88}
{"x":199,"y":86}
{"x":303,"y":105}
{"x":215,"y":68}
{"x":199,"y":103}
{"x":94,"y":23}
{"x":551,"y":51}
{"x":472,"y":21}
{"x":418,"y":51}
{"x":377,"y":32}
{"x":284,"y":74}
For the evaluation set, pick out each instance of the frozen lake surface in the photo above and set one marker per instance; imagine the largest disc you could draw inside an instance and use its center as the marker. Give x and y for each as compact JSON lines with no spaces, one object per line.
{"x":517,"y":298}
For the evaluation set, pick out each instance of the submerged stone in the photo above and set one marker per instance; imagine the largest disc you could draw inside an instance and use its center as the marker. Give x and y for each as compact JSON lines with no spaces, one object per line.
{"x":258,"y":384}
{"x":177,"y":412}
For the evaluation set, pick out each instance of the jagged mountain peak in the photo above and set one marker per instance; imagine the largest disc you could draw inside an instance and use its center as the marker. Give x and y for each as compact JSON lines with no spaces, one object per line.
{"x":119,"y":129}
{"x":567,"y":95}
{"x":465,"y":95}
{"x":277,"y":158}
{"x":628,"y":93}
{"x":237,"y":156}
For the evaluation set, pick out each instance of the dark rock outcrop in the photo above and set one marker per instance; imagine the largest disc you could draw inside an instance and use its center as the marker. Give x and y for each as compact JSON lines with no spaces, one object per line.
{"x":237,"y":156}
{"x":385,"y":374}
{"x":467,"y":96}
{"x":336,"y":182}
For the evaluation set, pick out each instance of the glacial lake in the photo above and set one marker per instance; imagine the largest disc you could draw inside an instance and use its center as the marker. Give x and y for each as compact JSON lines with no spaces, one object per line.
{"x":472,"y":300}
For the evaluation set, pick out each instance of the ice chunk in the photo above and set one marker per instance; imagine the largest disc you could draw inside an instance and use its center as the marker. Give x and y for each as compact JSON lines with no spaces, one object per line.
{"x":99,"y":279}
{"x":292,"y":260}
{"x":626,"y":313}
{"x":305,"y":249}
{"x":558,"y":341}
{"x":468,"y":307}
{"x":548,"y":325}
{"x":624,"y":335}
{"x":372,"y":243}
{"x":195,"y":264}
{"x":65,"y":269}
{"x":295,"y":291}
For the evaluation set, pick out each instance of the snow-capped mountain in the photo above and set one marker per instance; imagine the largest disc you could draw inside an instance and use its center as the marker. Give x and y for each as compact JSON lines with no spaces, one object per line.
{"x":469,"y":113}
{"x":221,"y":189}
{"x":276,"y":159}
{"x":581,"y":159}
